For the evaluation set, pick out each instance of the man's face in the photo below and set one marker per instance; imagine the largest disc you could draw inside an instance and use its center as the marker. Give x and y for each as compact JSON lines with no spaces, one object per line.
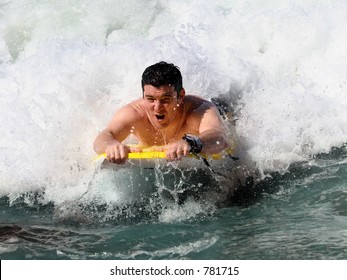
{"x":162,"y":105}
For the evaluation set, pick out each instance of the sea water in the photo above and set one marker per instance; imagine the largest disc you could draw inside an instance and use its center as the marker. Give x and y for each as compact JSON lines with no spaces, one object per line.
{"x":66,"y":66}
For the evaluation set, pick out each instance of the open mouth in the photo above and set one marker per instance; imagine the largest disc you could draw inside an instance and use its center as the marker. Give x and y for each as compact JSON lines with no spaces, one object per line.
{"x":159,"y":117}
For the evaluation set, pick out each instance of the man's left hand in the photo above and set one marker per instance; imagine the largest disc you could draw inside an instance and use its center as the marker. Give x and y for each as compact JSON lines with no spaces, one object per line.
{"x":177,"y":150}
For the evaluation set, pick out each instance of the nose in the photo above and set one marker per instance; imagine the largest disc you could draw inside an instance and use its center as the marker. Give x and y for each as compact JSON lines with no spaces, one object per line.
{"x":157,"y":105}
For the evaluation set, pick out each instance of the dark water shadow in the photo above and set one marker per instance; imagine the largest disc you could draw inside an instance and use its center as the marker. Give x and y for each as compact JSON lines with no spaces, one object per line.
{"x":250,"y":192}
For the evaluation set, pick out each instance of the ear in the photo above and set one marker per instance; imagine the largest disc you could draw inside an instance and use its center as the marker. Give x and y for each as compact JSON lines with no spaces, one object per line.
{"x":181,"y":95}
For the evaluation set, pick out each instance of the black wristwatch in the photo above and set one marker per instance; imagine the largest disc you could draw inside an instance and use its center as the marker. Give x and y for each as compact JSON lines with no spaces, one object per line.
{"x":194,"y":143}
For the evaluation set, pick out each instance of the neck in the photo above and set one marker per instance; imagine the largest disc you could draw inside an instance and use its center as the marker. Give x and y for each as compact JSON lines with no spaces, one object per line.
{"x":171,"y":132}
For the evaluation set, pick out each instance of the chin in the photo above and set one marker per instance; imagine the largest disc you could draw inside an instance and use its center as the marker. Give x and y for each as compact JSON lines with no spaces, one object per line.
{"x":161,"y":126}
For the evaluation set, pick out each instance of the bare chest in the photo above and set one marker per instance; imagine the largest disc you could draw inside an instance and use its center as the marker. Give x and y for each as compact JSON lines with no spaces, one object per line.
{"x":147,"y":135}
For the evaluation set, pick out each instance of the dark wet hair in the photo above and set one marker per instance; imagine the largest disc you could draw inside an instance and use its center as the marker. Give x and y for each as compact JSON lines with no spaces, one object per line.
{"x":161,"y":74}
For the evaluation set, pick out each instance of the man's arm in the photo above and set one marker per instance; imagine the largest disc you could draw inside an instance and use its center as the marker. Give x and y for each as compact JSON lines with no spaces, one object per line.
{"x":211,"y":129}
{"x":109,"y":140}
{"x":208,"y":126}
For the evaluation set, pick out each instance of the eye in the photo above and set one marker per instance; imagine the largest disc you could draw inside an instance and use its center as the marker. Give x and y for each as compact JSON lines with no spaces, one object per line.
{"x":150,"y":99}
{"x":166,"y":100}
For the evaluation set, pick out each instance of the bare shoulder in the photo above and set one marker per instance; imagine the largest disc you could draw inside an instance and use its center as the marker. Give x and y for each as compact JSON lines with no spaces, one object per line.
{"x":136,"y":108}
{"x":198,"y":105}
{"x":131,"y":111}
{"x":128,"y":115}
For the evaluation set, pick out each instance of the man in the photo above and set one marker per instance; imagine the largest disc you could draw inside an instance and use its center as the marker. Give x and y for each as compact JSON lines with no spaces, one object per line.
{"x":165,"y":117}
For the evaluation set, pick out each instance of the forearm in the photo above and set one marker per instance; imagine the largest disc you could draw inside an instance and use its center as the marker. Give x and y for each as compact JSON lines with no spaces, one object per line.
{"x":101,"y":142}
{"x":213,"y":141}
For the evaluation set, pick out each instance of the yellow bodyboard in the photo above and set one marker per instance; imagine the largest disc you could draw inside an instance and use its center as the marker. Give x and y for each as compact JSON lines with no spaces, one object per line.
{"x":150,"y":153}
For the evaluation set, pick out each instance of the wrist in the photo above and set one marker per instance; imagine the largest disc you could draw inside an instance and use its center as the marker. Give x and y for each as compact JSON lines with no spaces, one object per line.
{"x":194,"y":142}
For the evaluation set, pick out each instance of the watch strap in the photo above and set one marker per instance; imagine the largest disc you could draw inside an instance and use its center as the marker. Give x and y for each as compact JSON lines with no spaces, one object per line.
{"x":194,"y":143}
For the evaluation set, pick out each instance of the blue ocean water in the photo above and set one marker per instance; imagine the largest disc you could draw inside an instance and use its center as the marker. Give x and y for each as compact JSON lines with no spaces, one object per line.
{"x":66,"y":66}
{"x":297,"y":215}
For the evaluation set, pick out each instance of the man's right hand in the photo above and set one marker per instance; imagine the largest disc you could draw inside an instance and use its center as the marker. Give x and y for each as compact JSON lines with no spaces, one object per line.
{"x":118,"y":152}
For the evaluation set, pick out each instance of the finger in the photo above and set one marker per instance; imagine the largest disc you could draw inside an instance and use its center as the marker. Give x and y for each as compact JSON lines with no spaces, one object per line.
{"x":109,"y":155}
{"x":185,"y":151}
{"x":123,"y":153}
{"x":179,"y":152}
{"x":175,"y":155}
{"x":162,"y":148}
{"x":169,"y":155}
{"x":135,"y":150}
{"x":186,"y":148}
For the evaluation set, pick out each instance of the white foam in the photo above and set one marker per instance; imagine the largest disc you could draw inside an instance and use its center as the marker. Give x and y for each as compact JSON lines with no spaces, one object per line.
{"x":66,"y":66}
